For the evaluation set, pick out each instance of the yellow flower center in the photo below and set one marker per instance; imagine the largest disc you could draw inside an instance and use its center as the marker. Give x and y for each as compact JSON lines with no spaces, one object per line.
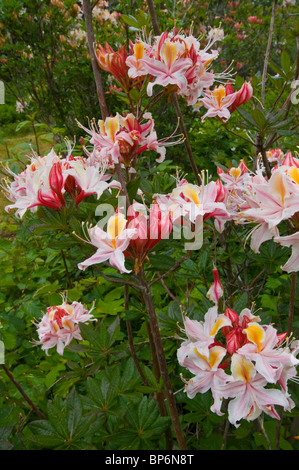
{"x":219,"y":94}
{"x":256,"y":334}
{"x":235,"y":172}
{"x":294,"y":174}
{"x":116,"y":225}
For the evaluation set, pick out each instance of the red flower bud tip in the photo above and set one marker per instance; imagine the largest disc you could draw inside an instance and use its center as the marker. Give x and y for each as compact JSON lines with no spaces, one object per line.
{"x":216,"y":291}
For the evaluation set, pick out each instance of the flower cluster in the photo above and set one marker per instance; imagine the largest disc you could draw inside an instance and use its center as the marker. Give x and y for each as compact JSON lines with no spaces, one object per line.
{"x":177,"y":61}
{"x":114,"y":62}
{"x":172,"y":60}
{"x":47,"y":180}
{"x":122,"y":139}
{"x":132,"y":238}
{"x":187,"y":206}
{"x":222,"y":101}
{"x":193,"y":202}
{"x":237,"y":358}
{"x":252,"y":197}
{"x":101,"y":13}
{"x":60,"y":325}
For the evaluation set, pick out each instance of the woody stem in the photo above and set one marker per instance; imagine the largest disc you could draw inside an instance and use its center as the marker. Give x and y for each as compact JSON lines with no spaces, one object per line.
{"x":31,"y":404}
{"x":87,"y":7}
{"x":148,"y":300}
{"x":292,"y":303}
{"x":159,"y":395}
{"x":131,"y":342}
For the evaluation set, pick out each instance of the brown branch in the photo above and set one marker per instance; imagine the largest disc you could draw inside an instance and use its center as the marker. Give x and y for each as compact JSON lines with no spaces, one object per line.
{"x":179,"y":114}
{"x":171,"y":295}
{"x":122,"y":181}
{"x":18,"y":386}
{"x":176,"y":265}
{"x":154,"y":18}
{"x":292,"y":303}
{"x":159,"y":396}
{"x":118,"y":281}
{"x":131,"y":342}
{"x":148,"y":300}
{"x":96,"y":71}
{"x":69,"y":282}
{"x":94,"y":4}
{"x":268,"y":52}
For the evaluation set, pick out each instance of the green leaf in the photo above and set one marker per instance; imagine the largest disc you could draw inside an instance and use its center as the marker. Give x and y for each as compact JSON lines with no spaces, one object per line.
{"x":247,"y":116}
{"x":21,"y":125}
{"x":275,"y":67}
{"x":44,"y":434}
{"x":240,"y":303}
{"x":74,"y":412}
{"x":285,"y":62}
{"x":103,"y":391}
{"x":130,"y":20}
{"x":136,"y":23}
{"x":259,"y":118}
{"x":132,"y":188}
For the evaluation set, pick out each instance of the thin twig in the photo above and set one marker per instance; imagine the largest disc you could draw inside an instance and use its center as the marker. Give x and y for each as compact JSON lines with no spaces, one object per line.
{"x":226,"y":429}
{"x":176,"y":265}
{"x":268,"y":52}
{"x":238,"y":135}
{"x":35,"y":136}
{"x":131,"y":342}
{"x":18,"y":386}
{"x":261,"y":423}
{"x":292,"y":303}
{"x":278,"y":430}
{"x":118,"y":281}
{"x":96,"y":71}
{"x":122,"y":181}
{"x":148,"y":300}
{"x":159,"y":396}
{"x":170,"y":293}
{"x":69,"y":282}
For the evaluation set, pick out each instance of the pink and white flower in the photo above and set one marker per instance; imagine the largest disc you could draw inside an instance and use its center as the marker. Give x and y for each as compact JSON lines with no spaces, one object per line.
{"x":110,"y":244}
{"x":222,"y":101}
{"x":262,"y":349}
{"x":274,"y":200}
{"x":194,"y":202}
{"x":255,"y":356}
{"x":121,"y":139}
{"x":206,"y":370}
{"x":176,"y":61}
{"x":47,"y":180}
{"x":60,"y":325}
{"x":292,"y":265}
{"x":249,"y":397}
{"x":201,"y":334}
{"x":217,"y":102}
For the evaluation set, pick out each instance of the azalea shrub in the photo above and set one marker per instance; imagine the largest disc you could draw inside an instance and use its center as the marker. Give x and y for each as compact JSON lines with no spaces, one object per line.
{"x":149,"y":286}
